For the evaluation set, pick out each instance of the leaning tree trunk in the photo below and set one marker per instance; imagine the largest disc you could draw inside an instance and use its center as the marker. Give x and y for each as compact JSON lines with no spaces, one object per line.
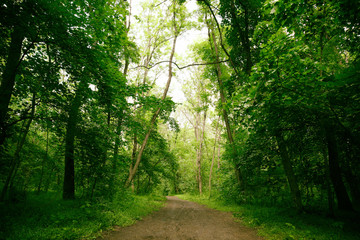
{"x":286,"y":162}
{"x":15,"y":163}
{"x":8,"y":77}
{"x":155,"y":115}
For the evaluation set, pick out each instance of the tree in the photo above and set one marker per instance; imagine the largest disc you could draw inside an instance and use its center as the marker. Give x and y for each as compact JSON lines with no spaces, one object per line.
{"x":176,"y":31}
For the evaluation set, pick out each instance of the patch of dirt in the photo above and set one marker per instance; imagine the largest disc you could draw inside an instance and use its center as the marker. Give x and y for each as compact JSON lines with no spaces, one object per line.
{"x":184,"y":220}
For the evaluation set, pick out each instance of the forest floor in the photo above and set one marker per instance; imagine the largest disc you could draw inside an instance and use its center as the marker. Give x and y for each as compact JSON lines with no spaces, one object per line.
{"x":184,"y":220}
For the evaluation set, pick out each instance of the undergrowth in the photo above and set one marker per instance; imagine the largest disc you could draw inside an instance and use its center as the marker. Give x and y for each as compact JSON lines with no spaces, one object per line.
{"x":274,"y":223}
{"x":48,"y":217}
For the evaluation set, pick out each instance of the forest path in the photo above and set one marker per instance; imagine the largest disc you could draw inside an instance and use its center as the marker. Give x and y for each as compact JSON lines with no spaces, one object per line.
{"x":184,"y":220}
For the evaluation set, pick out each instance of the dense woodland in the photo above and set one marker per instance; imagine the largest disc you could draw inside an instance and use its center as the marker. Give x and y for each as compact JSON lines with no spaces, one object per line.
{"x":271,"y":116}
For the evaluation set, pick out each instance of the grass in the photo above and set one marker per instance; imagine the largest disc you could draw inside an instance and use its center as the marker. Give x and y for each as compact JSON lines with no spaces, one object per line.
{"x":285,"y":223}
{"x":48,"y":217}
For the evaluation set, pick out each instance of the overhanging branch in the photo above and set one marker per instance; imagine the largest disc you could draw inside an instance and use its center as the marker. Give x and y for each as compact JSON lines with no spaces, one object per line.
{"x":186,"y":66}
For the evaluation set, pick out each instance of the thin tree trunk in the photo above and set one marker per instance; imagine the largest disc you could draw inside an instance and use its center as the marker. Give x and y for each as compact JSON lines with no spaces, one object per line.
{"x":8,"y":77}
{"x":47,"y":185}
{"x":218,"y":158}
{"x":117,"y":144}
{"x":93,"y":188}
{"x":200,"y":153}
{"x":133,"y":157}
{"x":155,"y":115}
{"x":213,"y":157}
{"x":286,"y":162}
{"x":69,"y":175}
{"x":197,"y":137}
{"x":329,"y":191}
{"x":16,"y":159}
{"x":44,"y":160}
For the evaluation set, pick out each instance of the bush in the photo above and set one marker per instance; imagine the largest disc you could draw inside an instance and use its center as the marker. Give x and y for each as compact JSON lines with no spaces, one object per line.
{"x":47,"y":217}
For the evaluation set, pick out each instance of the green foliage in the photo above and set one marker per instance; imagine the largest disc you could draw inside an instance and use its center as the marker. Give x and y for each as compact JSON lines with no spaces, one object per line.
{"x":46,"y":217}
{"x":299,"y":56}
{"x":283,"y":222}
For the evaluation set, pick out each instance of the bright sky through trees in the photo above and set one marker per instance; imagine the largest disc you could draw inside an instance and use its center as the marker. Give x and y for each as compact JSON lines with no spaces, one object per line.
{"x":183,"y":54}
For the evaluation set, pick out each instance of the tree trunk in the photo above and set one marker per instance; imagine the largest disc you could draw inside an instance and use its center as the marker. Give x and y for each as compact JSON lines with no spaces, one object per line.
{"x":47,"y":184}
{"x":155,"y":115}
{"x":16,"y":159}
{"x":118,"y":132}
{"x":44,"y":160}
{"x":200,"y":153}
{"x":286,"y":162}
{"x":133,"y":156}
{"x":351,"y":179}
{"x":244,"y":34}
{"x":8,"y":78}
{"x":238,"y":173}
{"x":329,"y":191}
{"x":213,"y":157}
{"x":197,"y":137}
{"x":69,"y":175}
{"x":353,"y":185}
{"x":116,"y":152}
{"x":342,"y":196}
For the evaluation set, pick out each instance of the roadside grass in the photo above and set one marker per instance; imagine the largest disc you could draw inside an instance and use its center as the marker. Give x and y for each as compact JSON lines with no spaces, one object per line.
{"x":274,"y":223}
{"x":49,"y":217}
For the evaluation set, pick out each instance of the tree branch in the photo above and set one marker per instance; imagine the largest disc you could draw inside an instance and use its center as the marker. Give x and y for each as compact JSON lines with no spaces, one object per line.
{"x":186,"y":66}
{"x":220,"y":34}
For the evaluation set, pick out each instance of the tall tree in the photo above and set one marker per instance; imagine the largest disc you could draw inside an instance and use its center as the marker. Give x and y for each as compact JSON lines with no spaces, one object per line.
{"x":177,"y":12}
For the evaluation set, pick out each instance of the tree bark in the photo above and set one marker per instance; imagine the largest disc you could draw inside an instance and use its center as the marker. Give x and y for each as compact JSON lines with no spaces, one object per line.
{"x":8,"y":78}
{"x":286,"y":162}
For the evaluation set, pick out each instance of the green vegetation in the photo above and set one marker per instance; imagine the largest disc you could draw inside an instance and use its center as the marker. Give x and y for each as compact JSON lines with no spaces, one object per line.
{"x":48,"y":217}
{"x":270,"y":115}
{"x":284,"y":222}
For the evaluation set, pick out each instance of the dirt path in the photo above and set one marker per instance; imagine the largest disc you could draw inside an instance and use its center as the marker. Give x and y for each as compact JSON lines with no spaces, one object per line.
{"x":184,"y":220}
